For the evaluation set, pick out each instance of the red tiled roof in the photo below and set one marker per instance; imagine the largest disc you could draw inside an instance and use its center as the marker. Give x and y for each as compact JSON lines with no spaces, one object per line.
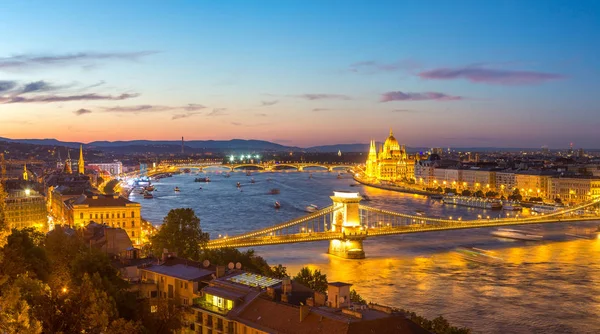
{"x":273,"y":317}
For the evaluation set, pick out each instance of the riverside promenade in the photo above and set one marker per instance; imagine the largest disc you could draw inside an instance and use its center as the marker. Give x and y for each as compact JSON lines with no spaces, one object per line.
{"x":394,"y":188}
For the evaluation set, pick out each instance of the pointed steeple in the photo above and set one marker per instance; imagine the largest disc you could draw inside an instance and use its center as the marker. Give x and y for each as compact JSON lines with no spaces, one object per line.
{"x":25,"y":175}
{"x":80,"y":162}
{"x":68,"y":169}
{"x":391,"y":133}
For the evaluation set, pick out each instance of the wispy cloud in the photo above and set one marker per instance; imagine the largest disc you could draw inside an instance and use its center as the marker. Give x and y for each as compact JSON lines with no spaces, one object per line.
{"x":6,"y":85}
{"x":268,"y":103}
{"x":38,"y":86}
{"x":320,"y":109}
{"x":373,"y":66}
{"x":248,"y":125}
{"x":186,"y":115}
{"x":490,"y":76}
{"x":153,"y":108}
{"x":313,"y":97}
{"x":261,"y":114}
{"x":82,"y":112}
{"x":31,"y":61}
{"x":401,"y":96}
{"x":67,"y":98}
{"x":218,"y":112}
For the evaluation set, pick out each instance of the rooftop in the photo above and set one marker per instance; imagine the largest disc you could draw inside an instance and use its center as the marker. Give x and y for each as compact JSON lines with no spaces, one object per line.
{"x":339,"y":284}
{"x":254,"y":280}
{"x":273,"y":317}
{"x":180,"y":271}
{"x":103,"y":201}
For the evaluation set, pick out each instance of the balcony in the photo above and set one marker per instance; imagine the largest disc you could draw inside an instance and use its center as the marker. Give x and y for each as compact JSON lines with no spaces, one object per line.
{"x":210,"y":307}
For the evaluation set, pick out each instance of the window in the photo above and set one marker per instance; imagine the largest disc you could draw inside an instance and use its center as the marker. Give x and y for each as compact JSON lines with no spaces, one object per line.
{"x":181,"y":284}
{"x":119,"y":215}
{"x":153,"y":308}
{"x":101,"y":216}
{"x":185,"y":285}
{"x":113,"y":216}
{"x":132,"y":224}
{"x":133,"y":233}
{"x":90,"y":216}
{"x":185,"y":301}
{"x":132,"y":214}
{"x":96,"y":216}
{"x":81,"y":215}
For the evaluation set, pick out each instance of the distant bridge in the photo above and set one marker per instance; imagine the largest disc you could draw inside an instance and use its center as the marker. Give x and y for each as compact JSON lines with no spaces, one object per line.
{"x":347,"y":223}
{"x":267,"y":166}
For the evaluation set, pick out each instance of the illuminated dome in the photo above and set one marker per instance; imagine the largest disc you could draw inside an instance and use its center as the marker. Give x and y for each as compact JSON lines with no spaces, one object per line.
{"x":391,"y":144}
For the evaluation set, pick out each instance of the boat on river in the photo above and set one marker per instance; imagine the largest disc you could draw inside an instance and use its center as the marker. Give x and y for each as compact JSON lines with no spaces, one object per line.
{"x":274,"y":191}
{"x":176,"y":189}
{"x":473,"y":202}
{"x":546,"y":208}
{"x":239,"y":185}
{"x":202,"y":179}
{"x":511,"y":206}
{"x":277,"y":205}
{"x":252,"y":181}
{"x":420,"y":212}
{"x":148,"y":195}
{"x":149,"y":188}
{"x":507,"y":233}
{"x":477,"y":255}
{"x":311,"y":208}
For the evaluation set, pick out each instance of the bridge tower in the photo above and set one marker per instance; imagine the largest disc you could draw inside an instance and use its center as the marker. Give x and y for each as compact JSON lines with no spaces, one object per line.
{"x":346,"y":220}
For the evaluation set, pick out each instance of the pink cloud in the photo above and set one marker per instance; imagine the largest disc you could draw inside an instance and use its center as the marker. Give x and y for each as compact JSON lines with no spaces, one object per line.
{"x":425,"y":96}
{"x":490,"y":76}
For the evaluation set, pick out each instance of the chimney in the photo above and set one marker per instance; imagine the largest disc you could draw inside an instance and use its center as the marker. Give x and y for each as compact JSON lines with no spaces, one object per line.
{"x":271,"y":293}
{"x":220,"y":271}
{"x":286,"y":285}
{"x":304,"y":311}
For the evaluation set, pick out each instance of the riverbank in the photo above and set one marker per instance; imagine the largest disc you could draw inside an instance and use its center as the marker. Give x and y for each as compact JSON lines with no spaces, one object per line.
{"x":394,"y":188}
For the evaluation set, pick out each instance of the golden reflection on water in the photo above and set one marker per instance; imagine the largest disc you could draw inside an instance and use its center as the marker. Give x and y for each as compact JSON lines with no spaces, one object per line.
{"x":558,"y":282}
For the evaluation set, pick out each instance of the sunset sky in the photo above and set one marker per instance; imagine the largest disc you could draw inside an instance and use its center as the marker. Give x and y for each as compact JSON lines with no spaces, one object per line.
{"x":440,"y":73}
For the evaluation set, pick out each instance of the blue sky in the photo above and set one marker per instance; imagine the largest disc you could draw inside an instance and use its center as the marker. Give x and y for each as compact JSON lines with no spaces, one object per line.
{"x":440,"y":73}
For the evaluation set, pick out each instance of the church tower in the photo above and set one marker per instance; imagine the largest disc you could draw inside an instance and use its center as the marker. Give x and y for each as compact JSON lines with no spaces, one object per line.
{"x":68,"y":169}
{"x":81,"y":163}
{"x":25,"y":175}
{"x":372,"y":160}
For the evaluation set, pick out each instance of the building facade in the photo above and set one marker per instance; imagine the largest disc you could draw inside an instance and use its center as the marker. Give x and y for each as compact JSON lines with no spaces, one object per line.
{"x":25,"y":209}
{"x":111,"y":210}
{"x":573,"y":190}
{"x":391,"y":163}
{"x":113,"y":168}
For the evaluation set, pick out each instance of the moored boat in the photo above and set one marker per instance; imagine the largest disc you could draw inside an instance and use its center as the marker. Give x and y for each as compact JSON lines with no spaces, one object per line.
{"x":420,"y":212}
{"x":274,"y":191}
{"x":148,"y":195}
{"x":277,"y":205}
{"x":436,"y":196}
{"x":176,"y":189}
{"x":473,"y":202}
{"x":511,"y":206}
{"x":516,"y":234}
{"x":149,"y":188}
{"x":311,"y":208}
{"x":202,"y":179}
{"x":546,"y":208}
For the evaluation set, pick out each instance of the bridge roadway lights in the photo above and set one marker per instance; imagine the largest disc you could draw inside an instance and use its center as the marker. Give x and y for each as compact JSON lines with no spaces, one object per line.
{"x":346,"y":219}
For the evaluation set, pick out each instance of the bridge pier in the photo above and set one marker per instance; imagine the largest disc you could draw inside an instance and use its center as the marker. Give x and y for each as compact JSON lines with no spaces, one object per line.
{"x":347,"y":221}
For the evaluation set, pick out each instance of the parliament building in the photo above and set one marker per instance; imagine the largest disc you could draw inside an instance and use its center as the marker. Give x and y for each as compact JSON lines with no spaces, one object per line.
{"x":392,"y":163}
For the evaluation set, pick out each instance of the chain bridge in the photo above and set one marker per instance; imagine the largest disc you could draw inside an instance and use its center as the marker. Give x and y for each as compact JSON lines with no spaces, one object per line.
{"x":347,"y":223}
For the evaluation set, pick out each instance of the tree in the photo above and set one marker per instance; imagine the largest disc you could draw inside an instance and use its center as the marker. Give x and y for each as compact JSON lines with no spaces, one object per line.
{"x":491,"y":193}
{"x":15,"y":316}
{"x":180,"y":233}
{"x":279,"y":271}
{"x":312,"y":279}
{"x":120,"y":326}
{"x":466,"y":192}
{"x":248,"y":259}
{"x":4,"y":230}
{"x":356,"y":298}
{"x":160,"y":315}
{"x":479,"y":193}
{"x":96,"y":308}
{"x":61,"y":248}
{"x":24,"y":253}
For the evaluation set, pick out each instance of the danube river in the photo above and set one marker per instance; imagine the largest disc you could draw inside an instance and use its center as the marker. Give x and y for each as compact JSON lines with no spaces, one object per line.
{"x":551,"y":286}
